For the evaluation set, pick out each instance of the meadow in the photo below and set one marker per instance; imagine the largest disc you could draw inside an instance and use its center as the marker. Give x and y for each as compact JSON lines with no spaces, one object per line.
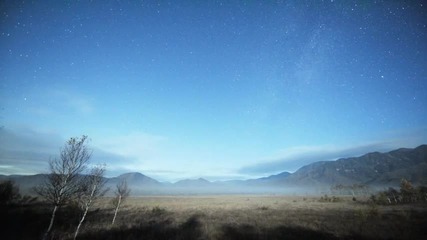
{"x":227,"y":217}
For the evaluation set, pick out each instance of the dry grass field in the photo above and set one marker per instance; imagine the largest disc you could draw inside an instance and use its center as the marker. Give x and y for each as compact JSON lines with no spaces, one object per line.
{"x":227,"y":217}
{"x":266,"y":217}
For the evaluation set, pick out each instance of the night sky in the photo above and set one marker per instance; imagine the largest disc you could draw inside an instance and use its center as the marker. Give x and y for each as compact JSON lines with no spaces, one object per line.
{"x":215,"y":89}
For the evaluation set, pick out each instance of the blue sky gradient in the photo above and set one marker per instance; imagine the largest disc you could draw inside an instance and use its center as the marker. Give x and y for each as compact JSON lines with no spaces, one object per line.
{"x":233,"y":89}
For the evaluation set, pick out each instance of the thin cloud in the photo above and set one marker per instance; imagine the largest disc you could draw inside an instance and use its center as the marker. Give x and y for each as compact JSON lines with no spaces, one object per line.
{"x":48,"y":102}
{"x":41,"y":111}
{"x":81,"y":105}
{"x":10,"y":170}
{"x":27,"y":151}
{"x":75,"y":101}
{"x":19,"y":138}
{"x":136,"y":144}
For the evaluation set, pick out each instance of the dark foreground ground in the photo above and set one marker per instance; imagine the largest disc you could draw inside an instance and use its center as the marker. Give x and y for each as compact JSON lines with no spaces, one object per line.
{"x":223,"y":217}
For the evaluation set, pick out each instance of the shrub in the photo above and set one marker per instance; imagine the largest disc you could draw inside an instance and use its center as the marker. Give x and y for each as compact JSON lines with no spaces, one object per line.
{"x":9,"y":192}
{"x":263,"y":208}
{"x":157,"y":211}
{"x":326,"y":198}
{"x":406,"y":194}
{"x":383,"y":198}
{"x":421,"y":193}
{"x":407,"y":191}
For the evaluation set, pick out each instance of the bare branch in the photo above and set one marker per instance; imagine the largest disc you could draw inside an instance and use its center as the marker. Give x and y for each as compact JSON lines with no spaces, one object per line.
{"x":64,"y":181}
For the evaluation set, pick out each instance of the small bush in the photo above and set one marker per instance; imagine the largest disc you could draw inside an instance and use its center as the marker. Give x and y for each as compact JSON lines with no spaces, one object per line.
{"x":9,"y":193}
{"x":381,"y":199}
{"x":336,"y":199}
{"x":326,"y":198}
{"x":157,"y":211}
{"x":263,"y":208}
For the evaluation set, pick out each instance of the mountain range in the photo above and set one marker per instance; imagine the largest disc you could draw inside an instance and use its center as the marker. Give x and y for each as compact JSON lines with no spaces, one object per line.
{"x":374,"y":169}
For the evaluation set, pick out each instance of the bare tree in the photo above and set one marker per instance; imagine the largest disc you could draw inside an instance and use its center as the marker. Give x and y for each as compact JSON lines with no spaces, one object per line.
{"x":92,"y":188}
{"x":122,"y":192}
{"x":64,"y":180}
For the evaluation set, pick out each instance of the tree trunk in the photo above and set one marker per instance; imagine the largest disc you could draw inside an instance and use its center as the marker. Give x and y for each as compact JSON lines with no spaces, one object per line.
{"x":87,"y":205}
{"x":52,"y":218}
{"x":117,"y":209}
{"x":81,"y":222}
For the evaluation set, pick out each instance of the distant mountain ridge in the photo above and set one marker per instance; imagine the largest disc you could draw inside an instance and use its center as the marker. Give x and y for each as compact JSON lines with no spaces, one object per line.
{"x":375,"y":169}
{"x":200,"y":182}
{"x":135,"y":178}
{"x":372,"y":168}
